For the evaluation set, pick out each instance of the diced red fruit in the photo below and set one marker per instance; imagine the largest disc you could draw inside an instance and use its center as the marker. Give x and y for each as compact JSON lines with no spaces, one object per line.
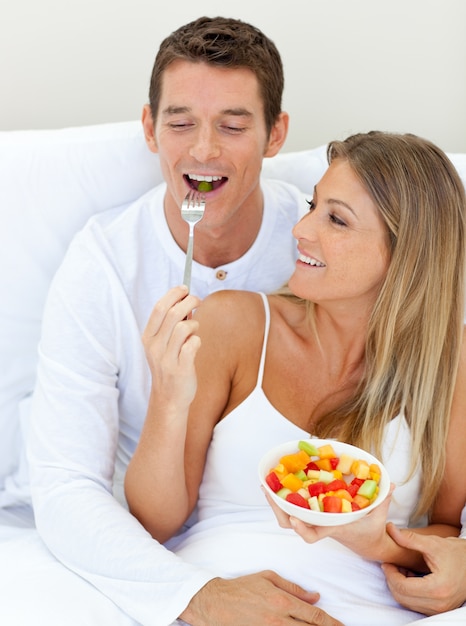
{"x":352,"y":489}
{"x":297,"y":498}
{"x":311,"y":466}
{"x":332,"y":504}
{"x":335,"y":485}
{"x":334,"y":462}
{"x":273,"y":482}
{"x":315,"y":489}
{"x":355,"y":506}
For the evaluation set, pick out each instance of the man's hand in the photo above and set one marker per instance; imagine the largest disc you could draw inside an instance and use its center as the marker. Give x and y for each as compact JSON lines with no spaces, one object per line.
{"x":262,"y":598}
{"x":441,"y":590}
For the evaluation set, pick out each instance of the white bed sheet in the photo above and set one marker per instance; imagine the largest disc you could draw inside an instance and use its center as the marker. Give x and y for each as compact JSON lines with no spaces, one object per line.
{"x":36,"y":589}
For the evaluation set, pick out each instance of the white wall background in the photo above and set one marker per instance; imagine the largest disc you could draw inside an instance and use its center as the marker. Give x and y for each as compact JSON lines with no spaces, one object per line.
{"x":351,"y":65}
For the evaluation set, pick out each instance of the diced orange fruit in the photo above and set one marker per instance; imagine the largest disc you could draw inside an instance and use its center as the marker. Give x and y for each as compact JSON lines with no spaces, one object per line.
{"x":326,"y":452}
{"x":324,"y":464}
{"x":292,"y":482}
{"x":361,"y":501}
{"x":295,"y":462}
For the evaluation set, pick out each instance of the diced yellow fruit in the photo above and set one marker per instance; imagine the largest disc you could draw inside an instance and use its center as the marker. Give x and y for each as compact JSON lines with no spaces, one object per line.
{"x":295,"y":462}
{"x":337,"y":474}
{"x":360,"y":469}
{"x":345,"y":463}
{"x":292,"y":482}
{"x":280,"y":470}
{"x":374,"y":476}
{"x":303,"y":492}
{"x":346,"y":506}
{"x":314,"y":503}
{"x":326,"y":452}
{"x":313,"y":474}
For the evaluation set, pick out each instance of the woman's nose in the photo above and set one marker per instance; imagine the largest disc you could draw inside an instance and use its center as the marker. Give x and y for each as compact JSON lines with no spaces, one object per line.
{"x":305,"y":228}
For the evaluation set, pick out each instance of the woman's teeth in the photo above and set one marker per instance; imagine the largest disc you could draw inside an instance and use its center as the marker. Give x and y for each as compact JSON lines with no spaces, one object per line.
{"x":310,"y":261}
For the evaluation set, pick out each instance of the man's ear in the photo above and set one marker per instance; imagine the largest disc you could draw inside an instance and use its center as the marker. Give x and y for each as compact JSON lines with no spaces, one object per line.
{"x":278,"y":135}
{"x":149,"y":128}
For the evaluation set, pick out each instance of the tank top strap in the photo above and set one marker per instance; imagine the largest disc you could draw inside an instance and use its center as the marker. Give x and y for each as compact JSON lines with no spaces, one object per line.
{"x":260,"y":374}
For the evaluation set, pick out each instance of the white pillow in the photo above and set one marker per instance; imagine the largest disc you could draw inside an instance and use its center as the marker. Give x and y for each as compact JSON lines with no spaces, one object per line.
{"x":51,"y":182}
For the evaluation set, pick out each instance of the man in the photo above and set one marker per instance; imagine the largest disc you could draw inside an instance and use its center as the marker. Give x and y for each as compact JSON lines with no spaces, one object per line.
{"x":214,"y":113}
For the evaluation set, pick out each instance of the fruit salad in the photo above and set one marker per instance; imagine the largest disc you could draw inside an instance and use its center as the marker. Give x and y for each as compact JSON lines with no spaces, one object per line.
{"x":316,"y":478}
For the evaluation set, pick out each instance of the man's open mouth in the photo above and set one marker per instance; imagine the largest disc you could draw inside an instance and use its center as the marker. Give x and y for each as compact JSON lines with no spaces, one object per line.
{"x":204,"y":183}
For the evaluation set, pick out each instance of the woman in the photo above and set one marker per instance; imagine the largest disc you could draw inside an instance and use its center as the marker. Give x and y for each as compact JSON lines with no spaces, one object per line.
{"x":365,"y":345}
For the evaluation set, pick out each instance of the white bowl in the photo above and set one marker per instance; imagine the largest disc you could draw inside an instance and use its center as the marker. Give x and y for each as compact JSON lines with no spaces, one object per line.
{"x":318,"y":518}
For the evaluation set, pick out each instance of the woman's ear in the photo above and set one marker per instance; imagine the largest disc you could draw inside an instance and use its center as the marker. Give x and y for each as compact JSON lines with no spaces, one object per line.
{"x":278,"y":135}
{"x":149,"y":128}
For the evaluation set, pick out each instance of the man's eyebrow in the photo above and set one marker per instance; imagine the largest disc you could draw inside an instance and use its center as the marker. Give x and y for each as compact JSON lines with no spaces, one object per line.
{"x":175,"y":110}
{"x":239,"y":111}
{"x":180,"y":110}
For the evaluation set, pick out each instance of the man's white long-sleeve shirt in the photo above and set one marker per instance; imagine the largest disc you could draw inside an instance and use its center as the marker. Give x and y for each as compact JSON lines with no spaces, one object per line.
{"x":93,"y":388}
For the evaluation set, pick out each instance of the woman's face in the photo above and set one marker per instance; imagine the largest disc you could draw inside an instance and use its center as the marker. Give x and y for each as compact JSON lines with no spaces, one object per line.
{"x":343,"y":243}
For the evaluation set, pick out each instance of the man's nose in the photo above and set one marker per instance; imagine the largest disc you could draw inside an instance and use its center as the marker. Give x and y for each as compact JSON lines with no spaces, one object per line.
{"x":205,"y":145}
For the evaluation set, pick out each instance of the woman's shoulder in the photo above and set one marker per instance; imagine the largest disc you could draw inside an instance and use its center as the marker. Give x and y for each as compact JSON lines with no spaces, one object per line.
{"x":232,"y":312}
{"x":232,"y":301}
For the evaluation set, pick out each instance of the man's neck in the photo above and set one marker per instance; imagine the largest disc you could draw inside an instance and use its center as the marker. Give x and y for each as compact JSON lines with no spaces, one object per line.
{"x":216,"y":245}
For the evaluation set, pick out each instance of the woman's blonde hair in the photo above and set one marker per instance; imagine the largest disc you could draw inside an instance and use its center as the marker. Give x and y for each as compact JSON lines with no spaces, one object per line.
{"x":415,"y":331}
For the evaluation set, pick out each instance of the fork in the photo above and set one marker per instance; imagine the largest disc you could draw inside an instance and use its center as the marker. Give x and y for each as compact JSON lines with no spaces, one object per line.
{"x":192,"y":211}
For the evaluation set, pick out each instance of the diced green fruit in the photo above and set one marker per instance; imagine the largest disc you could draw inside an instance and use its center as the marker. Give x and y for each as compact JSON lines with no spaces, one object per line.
{"x":367,"y":489}
{"x":308,"y":447}
{"x":314,"y":503}
{"x":204,"y":185}
{"x":282,"y":493}
{"x":326,"y":477}
{"x":301,"y":474}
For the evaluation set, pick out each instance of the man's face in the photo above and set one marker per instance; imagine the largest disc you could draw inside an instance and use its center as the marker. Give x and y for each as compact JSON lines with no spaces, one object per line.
{"x":210,"y":127}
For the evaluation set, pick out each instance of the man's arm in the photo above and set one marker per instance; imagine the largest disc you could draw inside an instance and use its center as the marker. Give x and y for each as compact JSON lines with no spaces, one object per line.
{"x":441,"y":590}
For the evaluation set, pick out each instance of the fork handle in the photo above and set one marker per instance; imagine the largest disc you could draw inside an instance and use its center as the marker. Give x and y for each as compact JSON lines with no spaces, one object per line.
{"x":189,"y":258}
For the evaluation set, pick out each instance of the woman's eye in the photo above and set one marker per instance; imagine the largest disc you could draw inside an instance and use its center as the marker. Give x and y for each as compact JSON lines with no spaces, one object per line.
{"x":336,"y":220}
{"x":312,"y":205}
